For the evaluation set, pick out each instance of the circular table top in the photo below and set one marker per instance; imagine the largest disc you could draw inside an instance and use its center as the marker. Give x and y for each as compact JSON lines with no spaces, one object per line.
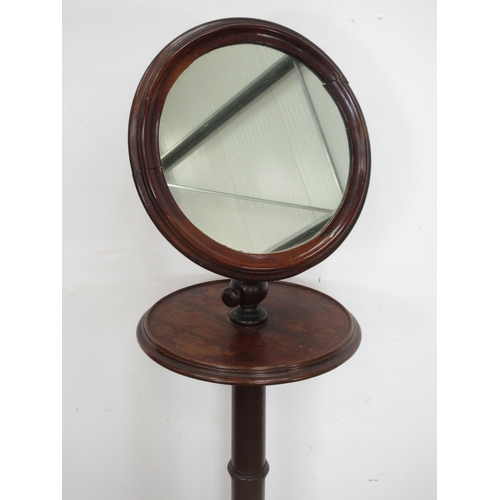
{"x":307,"y":333}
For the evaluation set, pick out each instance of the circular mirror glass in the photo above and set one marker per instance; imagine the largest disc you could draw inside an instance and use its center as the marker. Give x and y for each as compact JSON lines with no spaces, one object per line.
{"x":254,"y":149}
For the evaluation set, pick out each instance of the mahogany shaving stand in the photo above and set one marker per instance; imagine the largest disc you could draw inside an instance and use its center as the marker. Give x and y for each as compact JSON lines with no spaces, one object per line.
{"x":307,"y":333}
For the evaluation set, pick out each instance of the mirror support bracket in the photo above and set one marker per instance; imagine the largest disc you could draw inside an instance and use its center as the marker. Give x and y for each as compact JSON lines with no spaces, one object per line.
{"x":246,"y":295}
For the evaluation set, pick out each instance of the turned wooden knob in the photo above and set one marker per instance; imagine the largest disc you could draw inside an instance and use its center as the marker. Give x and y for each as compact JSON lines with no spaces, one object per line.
{"x":247,"y":295}
{"x":231,"y":297}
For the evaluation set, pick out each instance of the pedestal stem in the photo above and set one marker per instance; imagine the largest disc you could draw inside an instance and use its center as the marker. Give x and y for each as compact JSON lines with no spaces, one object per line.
{"x":248,"y":466}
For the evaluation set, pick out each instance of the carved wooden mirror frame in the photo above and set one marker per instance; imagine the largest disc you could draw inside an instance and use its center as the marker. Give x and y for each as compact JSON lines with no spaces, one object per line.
{"x":148,"y":173}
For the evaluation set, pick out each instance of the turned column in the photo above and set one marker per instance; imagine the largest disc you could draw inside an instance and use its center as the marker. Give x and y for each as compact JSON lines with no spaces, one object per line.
{"x":248,"y":466}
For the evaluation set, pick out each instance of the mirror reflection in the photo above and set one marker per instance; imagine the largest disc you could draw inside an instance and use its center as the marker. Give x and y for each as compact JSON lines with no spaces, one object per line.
{"x":254,"y":149}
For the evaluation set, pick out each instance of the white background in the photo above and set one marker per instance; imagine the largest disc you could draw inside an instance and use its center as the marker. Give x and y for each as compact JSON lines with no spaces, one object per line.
{"x":133,"y":430}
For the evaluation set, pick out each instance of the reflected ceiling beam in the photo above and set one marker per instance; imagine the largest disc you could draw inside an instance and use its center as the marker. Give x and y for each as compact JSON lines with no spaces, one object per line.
{"x":250,"y":198}
{"x":233,"y":106}
{"x":301,"y":236}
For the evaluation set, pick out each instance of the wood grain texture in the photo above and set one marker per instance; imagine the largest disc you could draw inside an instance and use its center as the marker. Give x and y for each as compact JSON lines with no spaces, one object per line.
{"x":307,"y":334}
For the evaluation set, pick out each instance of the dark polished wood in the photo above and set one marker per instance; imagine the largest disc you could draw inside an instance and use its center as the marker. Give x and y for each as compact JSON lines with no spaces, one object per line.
{"x":247,"y":295}
{"x":307,"y":333}
{"x":148,"y":171}
{"x":248,"y":466}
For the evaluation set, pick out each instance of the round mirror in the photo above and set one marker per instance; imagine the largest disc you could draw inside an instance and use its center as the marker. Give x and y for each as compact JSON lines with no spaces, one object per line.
{"x":254,"y":149}
{"x":249,"y":150}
